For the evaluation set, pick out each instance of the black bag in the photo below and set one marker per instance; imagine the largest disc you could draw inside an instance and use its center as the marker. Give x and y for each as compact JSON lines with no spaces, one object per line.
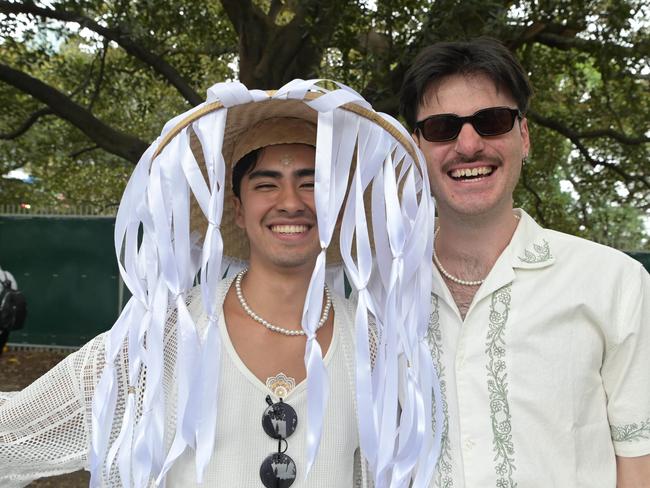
{"x":13,"y":307}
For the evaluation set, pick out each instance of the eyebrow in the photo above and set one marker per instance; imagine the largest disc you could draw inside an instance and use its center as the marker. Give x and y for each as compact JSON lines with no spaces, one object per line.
{"x":266,"y":173}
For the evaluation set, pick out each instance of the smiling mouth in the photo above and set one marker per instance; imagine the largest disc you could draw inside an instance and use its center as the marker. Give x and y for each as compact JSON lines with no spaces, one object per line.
{"x":471,"y":173}
{"x":289,"y":229}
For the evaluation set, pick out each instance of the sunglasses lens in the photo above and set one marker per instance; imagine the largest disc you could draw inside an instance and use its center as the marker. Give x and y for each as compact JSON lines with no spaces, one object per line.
{"x":487,"y":122}
{"x":278,"y":471}
{"x":279,"y":420}
{"x":441,"y":128}
{"x":494,"y":121}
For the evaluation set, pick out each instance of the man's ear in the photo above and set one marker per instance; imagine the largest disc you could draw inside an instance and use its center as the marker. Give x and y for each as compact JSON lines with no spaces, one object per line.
{"x":239,"y":212}
{"x":525,"y":138}
{"x":416,"y":138}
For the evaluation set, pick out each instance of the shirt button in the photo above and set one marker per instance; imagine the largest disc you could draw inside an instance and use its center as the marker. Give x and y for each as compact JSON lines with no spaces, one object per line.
{"x":469,"y":444}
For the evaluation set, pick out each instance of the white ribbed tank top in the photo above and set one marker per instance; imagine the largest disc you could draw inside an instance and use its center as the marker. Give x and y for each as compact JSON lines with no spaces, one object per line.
{"x":242,"y":444}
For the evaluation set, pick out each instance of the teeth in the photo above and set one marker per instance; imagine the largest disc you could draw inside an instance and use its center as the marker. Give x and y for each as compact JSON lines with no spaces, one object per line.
{"x":289,"y":229}
{"x":466,"y":172}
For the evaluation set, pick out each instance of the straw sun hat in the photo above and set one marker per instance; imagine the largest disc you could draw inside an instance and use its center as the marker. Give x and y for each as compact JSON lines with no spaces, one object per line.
{"x":175,"y":225}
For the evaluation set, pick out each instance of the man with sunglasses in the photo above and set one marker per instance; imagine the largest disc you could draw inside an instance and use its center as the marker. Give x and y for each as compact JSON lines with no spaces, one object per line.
{"x":541,"y":339}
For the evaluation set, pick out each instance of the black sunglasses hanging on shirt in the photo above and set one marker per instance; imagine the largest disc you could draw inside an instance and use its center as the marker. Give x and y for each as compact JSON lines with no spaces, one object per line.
{"x":279,"y":421}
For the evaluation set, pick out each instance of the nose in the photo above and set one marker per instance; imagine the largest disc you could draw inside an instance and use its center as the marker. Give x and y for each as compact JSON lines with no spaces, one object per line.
{"x":469,"y":142}
{"x":290,"y":200}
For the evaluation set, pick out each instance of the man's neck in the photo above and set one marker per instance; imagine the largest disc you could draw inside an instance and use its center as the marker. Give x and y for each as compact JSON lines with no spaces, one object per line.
{"x":479,"y":240}
{"x":468,"y":247}
{"x":277,"y":295}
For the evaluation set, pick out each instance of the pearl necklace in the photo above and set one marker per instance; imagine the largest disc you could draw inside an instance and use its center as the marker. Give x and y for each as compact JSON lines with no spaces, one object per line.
{"x":446,"y":273}
{"x":290,"y":332}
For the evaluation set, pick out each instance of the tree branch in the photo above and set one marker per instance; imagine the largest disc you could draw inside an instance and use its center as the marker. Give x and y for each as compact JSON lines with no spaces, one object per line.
{"x":238,"y":11}
{"x":575,"y":137}
{"x":100,"y":77}
{"x":275,"y":9}
{"x":113,"y":141}
{"x":118,"y":35}
{"x":617,"y":136}
{"x":79,"y":152}
{"x":297,"y":47}
{"x":211,"y":50}
{"x":31,"y":120}
{"x":532,"y":191}
{"x":569,"y":41}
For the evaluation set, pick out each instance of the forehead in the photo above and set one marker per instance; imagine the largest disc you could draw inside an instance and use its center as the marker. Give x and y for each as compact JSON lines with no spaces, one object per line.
{"x":282,"y":156}
{"x":463,"y":95}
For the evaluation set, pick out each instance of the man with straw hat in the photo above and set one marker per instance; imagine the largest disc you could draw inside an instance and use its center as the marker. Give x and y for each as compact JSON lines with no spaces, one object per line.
{"x":266,"y":377}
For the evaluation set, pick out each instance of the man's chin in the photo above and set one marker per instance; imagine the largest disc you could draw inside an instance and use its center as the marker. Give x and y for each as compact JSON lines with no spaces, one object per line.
{"x":468,"y":208}
{"x":294,"y":261}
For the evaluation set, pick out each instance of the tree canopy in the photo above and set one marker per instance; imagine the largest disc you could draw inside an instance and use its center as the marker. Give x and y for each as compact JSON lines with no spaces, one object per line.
{"x":88,"y":84}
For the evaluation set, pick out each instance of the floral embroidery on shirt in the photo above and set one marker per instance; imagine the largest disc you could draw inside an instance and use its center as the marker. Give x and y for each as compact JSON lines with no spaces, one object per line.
{"x":631,"y":432}
{"x":498,"y":388}
{"x":434,"y":340}
{"x":539,"y":254}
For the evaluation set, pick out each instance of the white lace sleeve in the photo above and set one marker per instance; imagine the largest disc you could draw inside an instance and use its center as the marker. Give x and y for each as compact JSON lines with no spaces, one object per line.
{"x":44,"y":428}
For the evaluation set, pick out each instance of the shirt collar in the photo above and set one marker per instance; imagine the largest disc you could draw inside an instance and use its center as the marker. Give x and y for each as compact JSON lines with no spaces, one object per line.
{"x":530,"y":247}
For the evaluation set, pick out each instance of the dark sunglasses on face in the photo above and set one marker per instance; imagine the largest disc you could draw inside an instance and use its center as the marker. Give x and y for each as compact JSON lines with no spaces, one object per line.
{"x":279,"y":421}
{"x":491,"y":121}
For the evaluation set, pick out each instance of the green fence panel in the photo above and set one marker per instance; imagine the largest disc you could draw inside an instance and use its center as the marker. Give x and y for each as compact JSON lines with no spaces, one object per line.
{"x":642,"y":256}
{"x":66,"y":268}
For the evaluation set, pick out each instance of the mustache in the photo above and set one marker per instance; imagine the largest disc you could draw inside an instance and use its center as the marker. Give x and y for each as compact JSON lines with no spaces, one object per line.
{"x":475,"y":158}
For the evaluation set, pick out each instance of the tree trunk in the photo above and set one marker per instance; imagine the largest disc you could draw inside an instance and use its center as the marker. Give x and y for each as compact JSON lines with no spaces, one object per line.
{"x":271,"y":55}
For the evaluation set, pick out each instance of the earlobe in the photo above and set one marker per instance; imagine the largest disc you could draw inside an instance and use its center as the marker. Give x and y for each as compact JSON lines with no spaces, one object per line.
{"x":523,"y":127}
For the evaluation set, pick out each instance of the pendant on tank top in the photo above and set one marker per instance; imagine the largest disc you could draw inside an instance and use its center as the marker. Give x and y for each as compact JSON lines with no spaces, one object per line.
{"x":280,"y":384}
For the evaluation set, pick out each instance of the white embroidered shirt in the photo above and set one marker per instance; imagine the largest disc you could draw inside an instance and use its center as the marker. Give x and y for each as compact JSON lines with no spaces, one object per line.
{"x":548,"y":376}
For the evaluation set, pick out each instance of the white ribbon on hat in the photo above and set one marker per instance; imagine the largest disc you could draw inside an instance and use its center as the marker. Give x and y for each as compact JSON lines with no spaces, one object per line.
{"x":416,"y":299}
{"x":334,"y":151}
{"x":354,"y":219}
{"x":205,"y":430}
{"x":126,"y":242}
{"x":413,"y":411}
